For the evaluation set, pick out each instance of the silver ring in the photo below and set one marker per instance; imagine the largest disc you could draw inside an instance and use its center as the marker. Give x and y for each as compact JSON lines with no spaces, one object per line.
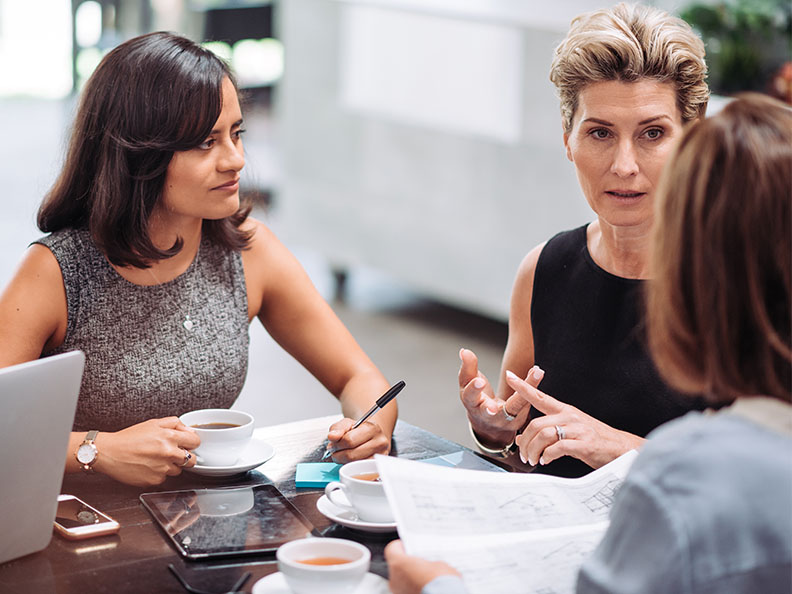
{"x":507,"y":415}
{"x":560,"y":432}
{"x":187,"y":456}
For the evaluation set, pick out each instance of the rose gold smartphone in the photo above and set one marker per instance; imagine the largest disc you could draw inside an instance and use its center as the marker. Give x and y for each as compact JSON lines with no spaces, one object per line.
{"x":76,"y":519}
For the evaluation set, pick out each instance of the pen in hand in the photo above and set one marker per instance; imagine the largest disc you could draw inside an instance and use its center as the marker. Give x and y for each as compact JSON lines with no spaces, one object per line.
{"x":381,"y":402}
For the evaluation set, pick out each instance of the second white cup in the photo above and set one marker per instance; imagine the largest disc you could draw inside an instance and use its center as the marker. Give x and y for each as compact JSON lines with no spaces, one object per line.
{"x":364,"y":492}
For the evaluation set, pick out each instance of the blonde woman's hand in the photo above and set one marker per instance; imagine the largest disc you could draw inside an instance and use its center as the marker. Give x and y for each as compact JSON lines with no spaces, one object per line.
{"x":485,"y":410}
{"x":565,"y":430}
{"x":147,"y":453}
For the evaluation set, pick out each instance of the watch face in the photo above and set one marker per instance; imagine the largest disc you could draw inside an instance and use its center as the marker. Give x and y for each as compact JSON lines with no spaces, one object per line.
{"x":86,"y":453}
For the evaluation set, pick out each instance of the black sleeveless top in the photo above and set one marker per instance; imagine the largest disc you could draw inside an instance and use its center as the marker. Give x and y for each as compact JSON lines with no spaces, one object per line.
{"x":589,"y":337}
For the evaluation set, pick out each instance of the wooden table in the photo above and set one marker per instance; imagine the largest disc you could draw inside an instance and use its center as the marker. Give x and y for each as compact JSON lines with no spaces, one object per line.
{"x":136,"y":559}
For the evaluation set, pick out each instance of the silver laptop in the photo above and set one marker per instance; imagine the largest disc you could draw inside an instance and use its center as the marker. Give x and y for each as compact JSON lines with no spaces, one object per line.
{"x":37,"y":404}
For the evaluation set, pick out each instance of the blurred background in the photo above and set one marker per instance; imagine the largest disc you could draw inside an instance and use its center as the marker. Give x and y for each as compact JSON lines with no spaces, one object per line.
{"x":407,"y":151}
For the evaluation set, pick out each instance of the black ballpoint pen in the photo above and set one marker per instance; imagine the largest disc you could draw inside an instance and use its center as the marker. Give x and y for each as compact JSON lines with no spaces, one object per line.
{"x":381,"y":402}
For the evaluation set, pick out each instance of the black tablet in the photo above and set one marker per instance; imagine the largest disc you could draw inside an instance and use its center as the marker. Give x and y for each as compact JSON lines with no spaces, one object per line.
{"x":207,"y":523}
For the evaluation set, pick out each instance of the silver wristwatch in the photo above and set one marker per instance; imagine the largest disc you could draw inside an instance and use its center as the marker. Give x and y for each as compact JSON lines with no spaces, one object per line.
{"x":87,"y":453}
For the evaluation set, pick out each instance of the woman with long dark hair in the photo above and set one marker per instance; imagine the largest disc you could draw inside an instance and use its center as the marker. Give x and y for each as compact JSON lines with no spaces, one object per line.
{"x":153,"y":267}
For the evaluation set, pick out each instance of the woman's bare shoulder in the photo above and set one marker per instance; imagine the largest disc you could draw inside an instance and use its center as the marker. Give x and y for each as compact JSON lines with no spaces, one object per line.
{"x":38,"y":264}
{"x":527,"y":269}
{"x":33,"y":311}
{"x":262,"y":239}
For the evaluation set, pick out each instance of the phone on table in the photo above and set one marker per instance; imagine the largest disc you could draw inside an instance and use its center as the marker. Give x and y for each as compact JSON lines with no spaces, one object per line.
{"x":76,"y":520}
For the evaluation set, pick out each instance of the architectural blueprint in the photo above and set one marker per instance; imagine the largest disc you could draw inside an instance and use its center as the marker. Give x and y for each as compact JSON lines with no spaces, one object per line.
{"x":504,"y":532}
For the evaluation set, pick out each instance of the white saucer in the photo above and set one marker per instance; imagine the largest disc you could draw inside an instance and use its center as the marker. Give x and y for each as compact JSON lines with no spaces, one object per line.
{"x":349,"y":518}
{"x":275,"y":583}
{"x":255,"y":454}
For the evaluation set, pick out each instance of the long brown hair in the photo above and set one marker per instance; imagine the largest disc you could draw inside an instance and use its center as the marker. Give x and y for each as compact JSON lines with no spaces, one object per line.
{"x":719,"y":304}
{"x":149,"y":97}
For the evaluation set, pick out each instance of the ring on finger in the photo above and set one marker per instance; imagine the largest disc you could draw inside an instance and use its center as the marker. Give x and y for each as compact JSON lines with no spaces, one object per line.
{"x":560,"y":432}
{"x":187,"y":457}
{"x":507,"y":415}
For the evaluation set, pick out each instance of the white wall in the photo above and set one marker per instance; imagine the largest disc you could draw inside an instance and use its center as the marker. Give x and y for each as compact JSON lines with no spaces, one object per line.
{"x":424,"y":139}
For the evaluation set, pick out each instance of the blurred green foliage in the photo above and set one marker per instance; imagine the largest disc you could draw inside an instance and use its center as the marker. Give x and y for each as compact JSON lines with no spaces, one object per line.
{"x":747,"y":41}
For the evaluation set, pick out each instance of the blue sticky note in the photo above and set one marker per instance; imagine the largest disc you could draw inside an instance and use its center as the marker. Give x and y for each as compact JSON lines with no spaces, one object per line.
{"x":315,"y":474}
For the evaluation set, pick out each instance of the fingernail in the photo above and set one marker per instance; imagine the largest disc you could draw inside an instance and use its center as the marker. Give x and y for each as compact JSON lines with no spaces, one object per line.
{"x":522,"y":459}
{"x":541,"y":461}
{"x":478,"y":383}
{"x":491,"y":412}
{"x":460,"y":352}
{"x":510,"y":375}
{"x":538,"y":373}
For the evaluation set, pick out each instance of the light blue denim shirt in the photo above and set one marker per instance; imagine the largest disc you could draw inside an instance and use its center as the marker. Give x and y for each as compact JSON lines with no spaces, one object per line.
{"x":706,"y":508}
{"x":445,"y":584}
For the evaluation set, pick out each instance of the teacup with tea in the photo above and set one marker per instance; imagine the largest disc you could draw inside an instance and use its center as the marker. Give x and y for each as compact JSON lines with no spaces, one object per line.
{"x":224,"y":434}
{"x":365,"y":493}
{"x":327,"y":565}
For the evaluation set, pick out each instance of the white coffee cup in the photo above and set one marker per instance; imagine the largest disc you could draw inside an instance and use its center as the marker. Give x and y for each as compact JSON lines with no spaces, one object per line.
{"x":219,"y":447}
{"x":308,"y":578}
{"x":365,"y":497}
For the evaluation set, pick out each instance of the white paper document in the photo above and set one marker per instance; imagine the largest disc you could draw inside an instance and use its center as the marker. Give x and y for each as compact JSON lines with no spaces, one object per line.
{"x":504,"y":532}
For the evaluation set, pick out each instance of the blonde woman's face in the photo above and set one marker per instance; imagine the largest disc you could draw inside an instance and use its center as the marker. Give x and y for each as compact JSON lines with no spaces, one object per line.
{"x":621,"y":136}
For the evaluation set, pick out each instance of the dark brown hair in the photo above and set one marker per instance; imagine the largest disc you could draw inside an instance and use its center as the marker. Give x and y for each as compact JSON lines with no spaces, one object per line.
{"x":149,"y":97}
{"x":719,"y":304}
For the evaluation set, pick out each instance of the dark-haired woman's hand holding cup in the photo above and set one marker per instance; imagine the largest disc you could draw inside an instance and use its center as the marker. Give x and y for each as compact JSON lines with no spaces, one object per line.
{"x":146,"y":453}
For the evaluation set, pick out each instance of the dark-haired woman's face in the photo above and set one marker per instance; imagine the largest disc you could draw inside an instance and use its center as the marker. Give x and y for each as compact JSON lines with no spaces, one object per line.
{"x":203,"y":182}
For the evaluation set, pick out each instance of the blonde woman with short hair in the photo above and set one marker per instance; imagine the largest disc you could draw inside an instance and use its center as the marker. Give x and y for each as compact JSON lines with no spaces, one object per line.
{"x":630,"y":79}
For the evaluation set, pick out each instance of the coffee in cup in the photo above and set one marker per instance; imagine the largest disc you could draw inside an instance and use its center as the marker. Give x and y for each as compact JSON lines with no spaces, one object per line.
{"x":327,"y":565}
{"x":365,"y":493}
{"x":224,"y":434}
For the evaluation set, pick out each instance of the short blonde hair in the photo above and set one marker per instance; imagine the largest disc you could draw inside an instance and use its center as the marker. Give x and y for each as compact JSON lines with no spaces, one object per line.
{"x":720,"y":302}
{"x":630,"y":42}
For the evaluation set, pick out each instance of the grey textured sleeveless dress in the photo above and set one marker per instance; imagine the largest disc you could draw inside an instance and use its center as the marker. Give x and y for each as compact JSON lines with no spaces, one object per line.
{"x":141,"y":360}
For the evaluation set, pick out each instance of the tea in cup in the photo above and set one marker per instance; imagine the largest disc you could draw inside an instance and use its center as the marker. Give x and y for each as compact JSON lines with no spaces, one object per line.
{"x":365,"y":493}
{"x":327,"y":565}
{"x":224,"y":434}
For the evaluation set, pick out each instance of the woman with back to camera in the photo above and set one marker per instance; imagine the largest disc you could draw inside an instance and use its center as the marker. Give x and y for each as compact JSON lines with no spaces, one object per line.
{"x":707,"y":505}
{"x":154,"y":269}
{"x":630,"y":79}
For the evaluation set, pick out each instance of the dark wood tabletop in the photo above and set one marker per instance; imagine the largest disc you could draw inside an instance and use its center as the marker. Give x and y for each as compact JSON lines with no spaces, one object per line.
{"x":136,"y":559}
